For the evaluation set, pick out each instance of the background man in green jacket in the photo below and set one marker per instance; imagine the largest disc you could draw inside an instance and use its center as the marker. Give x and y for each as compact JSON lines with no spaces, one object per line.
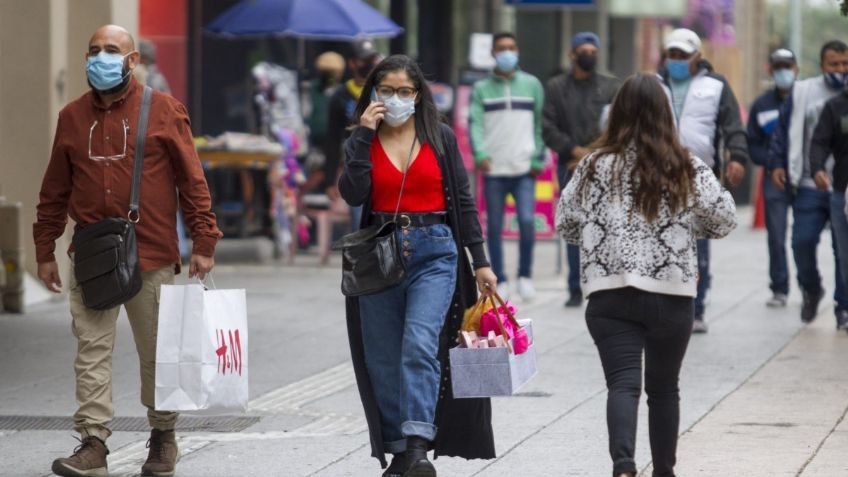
{"x":506,"y":135}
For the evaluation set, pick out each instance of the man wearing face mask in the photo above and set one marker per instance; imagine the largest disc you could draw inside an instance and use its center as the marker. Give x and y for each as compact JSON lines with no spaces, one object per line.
{"x":792,"y":169}
{"x":329,"y":68}
{"x":762,"y":121}
{"x":574,"y":105}
{"x":830,"y":139}
{"x":708,"y":122}
{"x":89,"y":179}
{"x":506,"y":135}
{"x":363,"y":58}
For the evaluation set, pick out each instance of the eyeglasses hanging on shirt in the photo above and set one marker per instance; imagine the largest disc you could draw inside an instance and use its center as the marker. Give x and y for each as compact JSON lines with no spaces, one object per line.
{"x":116,"y":157}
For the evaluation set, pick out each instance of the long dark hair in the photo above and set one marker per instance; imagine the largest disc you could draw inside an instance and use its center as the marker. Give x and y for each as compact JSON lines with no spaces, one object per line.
{"x":640,"y":119}
{"x":427,"y":119}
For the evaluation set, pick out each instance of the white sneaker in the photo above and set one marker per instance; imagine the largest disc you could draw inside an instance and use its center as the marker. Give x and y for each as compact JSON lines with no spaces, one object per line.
{"x":778,"y":300}
{"x":503,"y":290}
{"x":526,"y":288}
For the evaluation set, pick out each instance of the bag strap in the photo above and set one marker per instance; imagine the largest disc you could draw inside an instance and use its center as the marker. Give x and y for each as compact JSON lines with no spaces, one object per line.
{"x":506,"y":310}
{"x":500,"y":323}
{"x":140,"y":136}
{"x":403,"y":181}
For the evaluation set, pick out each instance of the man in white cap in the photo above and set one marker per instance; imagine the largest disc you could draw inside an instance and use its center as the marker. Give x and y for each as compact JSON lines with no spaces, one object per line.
{"x":707,"y":115}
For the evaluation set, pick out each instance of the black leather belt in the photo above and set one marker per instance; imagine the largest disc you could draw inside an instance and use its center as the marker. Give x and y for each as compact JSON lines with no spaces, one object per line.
{"x":414,"y":220}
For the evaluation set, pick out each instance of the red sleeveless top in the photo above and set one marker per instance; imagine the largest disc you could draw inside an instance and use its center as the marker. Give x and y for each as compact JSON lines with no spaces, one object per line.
{"x":423,"y":190}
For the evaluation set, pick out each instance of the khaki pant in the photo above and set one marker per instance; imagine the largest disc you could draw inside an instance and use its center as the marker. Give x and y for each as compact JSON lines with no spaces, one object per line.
{"x":95,"y":332}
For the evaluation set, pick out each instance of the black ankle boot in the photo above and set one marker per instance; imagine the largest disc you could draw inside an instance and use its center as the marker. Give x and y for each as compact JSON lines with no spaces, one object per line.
{"x":397,"y":467}
{"x":416,"y":457}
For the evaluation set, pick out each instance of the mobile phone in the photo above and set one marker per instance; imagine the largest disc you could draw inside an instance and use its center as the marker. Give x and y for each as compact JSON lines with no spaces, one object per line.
{"x":374,"y":94}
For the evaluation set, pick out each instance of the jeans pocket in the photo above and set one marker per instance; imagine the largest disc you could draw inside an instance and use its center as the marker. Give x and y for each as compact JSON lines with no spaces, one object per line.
{"x":438,"y":232}
{"x":675,"y":310}
{"x":611,"y":303}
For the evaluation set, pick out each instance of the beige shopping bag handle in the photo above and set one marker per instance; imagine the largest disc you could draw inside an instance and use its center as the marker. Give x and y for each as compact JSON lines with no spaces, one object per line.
{"x":480,"y":302}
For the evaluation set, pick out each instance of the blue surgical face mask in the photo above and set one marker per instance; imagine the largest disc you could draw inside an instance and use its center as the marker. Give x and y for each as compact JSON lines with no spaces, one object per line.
{"x":783,"y":78}
{"x":678,"y":69}
{"x":398,"y":110}
{"x":105,"y":70}
{"x":506,"y":60}
{"x":835,"y":80}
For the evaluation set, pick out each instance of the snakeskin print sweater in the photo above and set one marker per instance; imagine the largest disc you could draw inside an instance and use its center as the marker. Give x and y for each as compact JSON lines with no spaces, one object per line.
{"x":620,"y":248}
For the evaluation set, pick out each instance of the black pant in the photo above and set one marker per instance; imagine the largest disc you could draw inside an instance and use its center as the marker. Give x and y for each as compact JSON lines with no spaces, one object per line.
{"x":623,"y":322}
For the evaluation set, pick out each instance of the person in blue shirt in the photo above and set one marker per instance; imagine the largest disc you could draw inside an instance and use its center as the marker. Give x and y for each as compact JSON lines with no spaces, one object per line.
{"x":762,"y":121}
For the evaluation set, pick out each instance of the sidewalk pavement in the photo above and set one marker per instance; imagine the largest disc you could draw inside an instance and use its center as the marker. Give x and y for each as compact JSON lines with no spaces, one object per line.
{"x":761,"y":393}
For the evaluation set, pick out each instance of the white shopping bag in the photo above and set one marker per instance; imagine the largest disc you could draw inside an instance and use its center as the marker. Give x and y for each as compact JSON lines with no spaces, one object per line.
{"x":201,"y":350}
{"x":492,"y":371}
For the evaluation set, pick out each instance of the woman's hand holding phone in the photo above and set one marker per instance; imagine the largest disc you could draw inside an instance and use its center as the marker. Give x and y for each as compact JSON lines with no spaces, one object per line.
{"x":373,"y":114}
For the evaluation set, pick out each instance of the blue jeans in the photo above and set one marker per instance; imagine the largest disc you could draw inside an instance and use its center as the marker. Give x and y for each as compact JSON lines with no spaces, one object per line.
{"x":573,"y":255}
{"x":704,"y":278}
{"x":776,"y":211}
{"x":811,"y":210}
{"x":523,"y":190}
{"x":839,"y":225}
{"x":400,"y":333}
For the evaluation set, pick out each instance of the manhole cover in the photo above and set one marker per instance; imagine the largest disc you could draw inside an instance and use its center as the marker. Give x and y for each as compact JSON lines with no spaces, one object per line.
{"x":131,"y":424}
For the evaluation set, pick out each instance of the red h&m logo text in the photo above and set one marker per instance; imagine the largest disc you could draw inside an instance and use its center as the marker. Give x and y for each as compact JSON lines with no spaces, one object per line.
{"x":229,"y":352}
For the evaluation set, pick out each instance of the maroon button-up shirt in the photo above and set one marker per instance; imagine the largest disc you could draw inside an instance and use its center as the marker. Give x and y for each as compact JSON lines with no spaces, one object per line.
{"x":89,"y":190}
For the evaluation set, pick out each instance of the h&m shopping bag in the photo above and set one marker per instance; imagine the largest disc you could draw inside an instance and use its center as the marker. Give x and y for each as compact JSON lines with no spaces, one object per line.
{"x":201,"y":350}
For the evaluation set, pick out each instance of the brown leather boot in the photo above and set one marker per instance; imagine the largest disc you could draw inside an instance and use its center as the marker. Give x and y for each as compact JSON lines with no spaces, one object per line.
{"x":163,"y":455}
{"x":88,"y":460}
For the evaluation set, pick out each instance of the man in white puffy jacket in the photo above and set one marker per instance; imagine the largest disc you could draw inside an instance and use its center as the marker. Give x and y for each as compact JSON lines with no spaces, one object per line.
{"x":708,"y":121}
{"x":791,"y":168}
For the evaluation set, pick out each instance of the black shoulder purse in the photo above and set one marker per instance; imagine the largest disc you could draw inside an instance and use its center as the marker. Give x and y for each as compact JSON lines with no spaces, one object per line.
{"x":106,"y":252}
{"x":371,"y":257}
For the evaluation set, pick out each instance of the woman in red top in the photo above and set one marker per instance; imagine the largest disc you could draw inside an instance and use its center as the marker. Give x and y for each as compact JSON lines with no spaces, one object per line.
{"x":399,"y":337}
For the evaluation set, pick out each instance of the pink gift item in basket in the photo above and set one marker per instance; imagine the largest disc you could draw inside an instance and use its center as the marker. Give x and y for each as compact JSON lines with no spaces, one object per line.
{"x":501,"y":320}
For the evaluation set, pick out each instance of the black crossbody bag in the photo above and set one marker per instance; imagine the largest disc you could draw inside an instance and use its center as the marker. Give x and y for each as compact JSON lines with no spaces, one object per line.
{"x":371,"y":257}
{"x":106,"y":263}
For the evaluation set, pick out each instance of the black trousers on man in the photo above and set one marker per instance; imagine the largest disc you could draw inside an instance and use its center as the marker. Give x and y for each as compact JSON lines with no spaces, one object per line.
{"x":624,"y":322}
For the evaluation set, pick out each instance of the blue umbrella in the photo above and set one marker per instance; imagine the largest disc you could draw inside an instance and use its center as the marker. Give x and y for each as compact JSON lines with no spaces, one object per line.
{"x":311,"y":19}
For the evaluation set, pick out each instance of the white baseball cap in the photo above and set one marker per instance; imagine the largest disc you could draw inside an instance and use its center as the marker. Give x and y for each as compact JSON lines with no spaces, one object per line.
{"x":684,"y":40}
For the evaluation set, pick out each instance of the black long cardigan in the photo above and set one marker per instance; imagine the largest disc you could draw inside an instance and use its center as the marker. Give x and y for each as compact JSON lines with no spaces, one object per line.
{"x":464,"y":425}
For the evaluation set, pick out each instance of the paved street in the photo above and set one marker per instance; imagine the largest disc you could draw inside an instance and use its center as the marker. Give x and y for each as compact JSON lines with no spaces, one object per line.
{"x":762,"y":395}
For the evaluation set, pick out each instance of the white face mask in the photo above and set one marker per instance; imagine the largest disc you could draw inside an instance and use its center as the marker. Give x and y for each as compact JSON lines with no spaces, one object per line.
{"x":784,"y":78}
{"x":398,"y":110}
